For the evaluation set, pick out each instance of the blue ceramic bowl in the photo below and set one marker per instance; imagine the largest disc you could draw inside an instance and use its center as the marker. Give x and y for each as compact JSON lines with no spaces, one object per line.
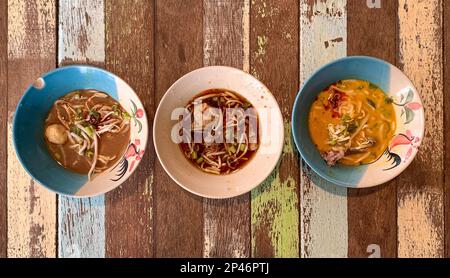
{"x":409,"y":113}
{"x":28,"y":130}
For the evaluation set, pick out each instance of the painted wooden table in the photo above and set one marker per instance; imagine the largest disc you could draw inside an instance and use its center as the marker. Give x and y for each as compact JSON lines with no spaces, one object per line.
{"x":150,"y":44}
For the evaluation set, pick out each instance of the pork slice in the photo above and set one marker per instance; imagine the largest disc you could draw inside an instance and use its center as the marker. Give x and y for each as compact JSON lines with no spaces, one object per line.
{"x":332,"y":157}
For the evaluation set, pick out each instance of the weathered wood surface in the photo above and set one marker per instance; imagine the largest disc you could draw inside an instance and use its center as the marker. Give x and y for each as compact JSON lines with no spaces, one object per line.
{"x":323,"y":35}
{"x":372,"y":213}
{"x":274,"y":58}
{"x":31,"y":52}
{"x":150,"y":44}
{"x":226,"y":222}
{"x":81,"y":39}
{"x":3,"y":126}
{"x":420,"y":193}
{"x":178,"y":214}
{"x":130,"y":55}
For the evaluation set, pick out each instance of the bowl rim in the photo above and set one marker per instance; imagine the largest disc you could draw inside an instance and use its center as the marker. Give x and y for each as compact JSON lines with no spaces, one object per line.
{"x":257,"y":182}
{"x":300,"y":150}
{"x":14,"y":126}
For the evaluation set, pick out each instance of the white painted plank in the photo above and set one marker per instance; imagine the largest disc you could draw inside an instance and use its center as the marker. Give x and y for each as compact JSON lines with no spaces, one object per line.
{"x":31,"y":50}
{"x":81,"y":222}
{"x":324,"y":228}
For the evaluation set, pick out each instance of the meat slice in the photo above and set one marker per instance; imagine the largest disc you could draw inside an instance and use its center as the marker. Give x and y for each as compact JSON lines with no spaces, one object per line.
{"x":332,"y":157}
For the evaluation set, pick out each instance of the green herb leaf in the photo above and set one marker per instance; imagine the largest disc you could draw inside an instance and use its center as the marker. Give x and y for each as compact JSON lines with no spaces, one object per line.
{"x":126,"y":116}
{"x":388,"y":100}
{"x":200,"y":160}
{"x":352,"y":127}
{"x":361,"y":87}
{"x":373,"y":86}
{"x":194,"y":155}
{"x":346,"y":118}
{"x":89,"y":130}
{"x":75,"y":130}
{"x":232,"y":149}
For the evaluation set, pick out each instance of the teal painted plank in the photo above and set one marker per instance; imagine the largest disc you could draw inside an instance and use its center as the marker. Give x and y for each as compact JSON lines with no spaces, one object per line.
{"x":81,"y":222}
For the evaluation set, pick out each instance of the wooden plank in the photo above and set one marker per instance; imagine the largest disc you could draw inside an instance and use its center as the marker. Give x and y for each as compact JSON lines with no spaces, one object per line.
{"x":420,"y":192}
{"x":3,"y":125}
{"x":323,"y":206}
{"x":31,"y":52}
{"x":446,"y":43}
{"x":274,"y":45}
{"x":81,"y":39}
{"x":226,"y":222}
{"x":130,"y":55}
{"x":178,"y":215}
{"x":372,"y":213}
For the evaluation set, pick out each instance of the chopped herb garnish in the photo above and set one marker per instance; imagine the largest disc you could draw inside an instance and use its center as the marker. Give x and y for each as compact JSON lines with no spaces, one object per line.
{"x":126,"y":116}
{"x":372,"y":103}
{"x":94,"y":114}
{"x":89,"y":130}
{"x":373,"y":86}
{"x":89,"y":153}
{"x":194,"y":155}
{"x":242,"y":148}
{"x":200,"y":160}
{"x":352,"y":127}
{"x":115,"y":107}
{"x":246,"y":105}
{"x":333,"y":143}
{"x":232,"y":149}
{"x":360,"y":87}
{"x":388,"y":100}
{"x":346,"y":118}
{"x":75,"y":129}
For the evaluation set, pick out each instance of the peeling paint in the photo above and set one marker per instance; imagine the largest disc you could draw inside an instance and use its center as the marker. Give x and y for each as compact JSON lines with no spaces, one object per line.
{"x":420,"y":200}
{"x":275,"y":201}
{"x":81,"y":222}
{"x":324,"y":223}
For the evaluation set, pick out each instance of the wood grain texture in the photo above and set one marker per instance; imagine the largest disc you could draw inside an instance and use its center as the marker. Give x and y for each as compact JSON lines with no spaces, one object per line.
{"x":81,"y":39}
{"x":420,"y":191}
{"x":372,"y":213}
{"x":323,"y":205}
{"x":31,"y":52}
{"x":179,"y":50}
{"x":226,"y":222}
{"x":446,"y":43}
{"x":3,"y":125}
{"x":274,"y":53}
{"x":129,"y":54}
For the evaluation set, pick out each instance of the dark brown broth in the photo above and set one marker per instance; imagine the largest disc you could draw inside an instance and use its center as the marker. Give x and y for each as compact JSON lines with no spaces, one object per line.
{"x":201,"y":147}
{"x":109,"y":144}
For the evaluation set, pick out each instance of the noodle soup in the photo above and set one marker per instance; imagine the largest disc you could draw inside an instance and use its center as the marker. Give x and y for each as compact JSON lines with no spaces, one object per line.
{"x":226,"y":124}
{"x":87,"y":132}
{"x":352,"y":122}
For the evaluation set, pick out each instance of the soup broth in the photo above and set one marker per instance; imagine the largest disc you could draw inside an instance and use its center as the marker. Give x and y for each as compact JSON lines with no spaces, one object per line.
{"x":352,"y":122}
{"x":224,"y":111}
{"x":87,"y":131}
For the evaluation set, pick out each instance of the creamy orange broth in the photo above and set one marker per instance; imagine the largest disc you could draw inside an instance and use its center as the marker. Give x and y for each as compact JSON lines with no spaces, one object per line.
{"x":365,"y":114}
